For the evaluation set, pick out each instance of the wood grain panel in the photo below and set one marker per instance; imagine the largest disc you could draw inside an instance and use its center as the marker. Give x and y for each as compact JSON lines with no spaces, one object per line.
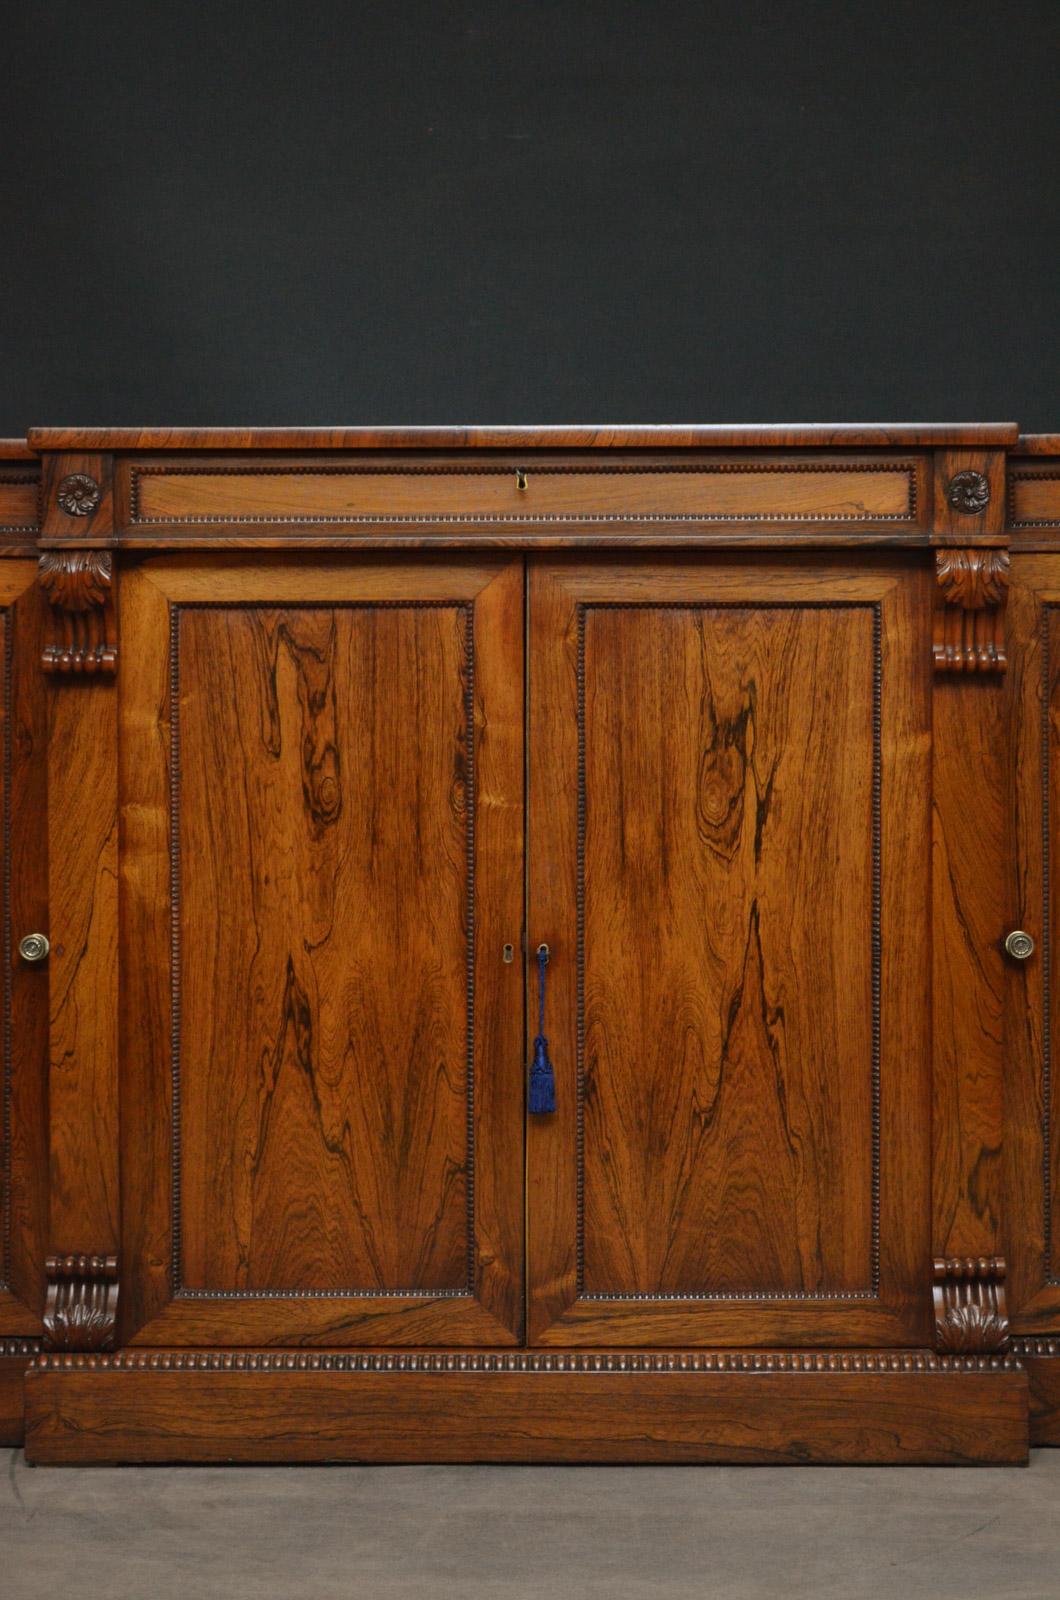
{"x":728,"y":785}
{"x":335,"y":1033}
{"x":1032,"y":1109}
{"x":463,"y":493}
{"x":83,"y":966}
{"x":1050,"y":846}
{"x":729,"y":782}
{"x":324,"y":810}
{"x":24,"y":988}
{"x":968,"y":912}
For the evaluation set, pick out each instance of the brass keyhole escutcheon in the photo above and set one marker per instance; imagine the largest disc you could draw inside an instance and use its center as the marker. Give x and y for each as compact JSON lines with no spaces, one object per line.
{"x":520,"y":478}
{"x":34,"y":947}
{"x":1019,"y":945}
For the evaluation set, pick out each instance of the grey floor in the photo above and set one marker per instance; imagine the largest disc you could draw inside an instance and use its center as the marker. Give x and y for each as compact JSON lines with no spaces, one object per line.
{"x":465,"y":1533}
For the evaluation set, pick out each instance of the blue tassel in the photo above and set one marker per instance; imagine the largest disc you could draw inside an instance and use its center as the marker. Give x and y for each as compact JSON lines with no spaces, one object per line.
{"x":541,"y":1096}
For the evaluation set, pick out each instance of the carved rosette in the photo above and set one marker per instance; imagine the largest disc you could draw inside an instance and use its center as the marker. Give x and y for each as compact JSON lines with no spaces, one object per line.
{"x":78,"y":584}
{"x":78,"y":494}
{"x":972,"y":586}
{"x":80,"y":1312}
{"x":968,"y":493}
{"x":970,"y":1313}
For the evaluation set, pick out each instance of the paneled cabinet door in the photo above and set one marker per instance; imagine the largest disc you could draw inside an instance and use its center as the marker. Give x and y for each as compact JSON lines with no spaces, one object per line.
{"x":24,"y":992}
{"x":729,"y":859}
{"x":1032,"y":1106}
{"x":322,"y":845}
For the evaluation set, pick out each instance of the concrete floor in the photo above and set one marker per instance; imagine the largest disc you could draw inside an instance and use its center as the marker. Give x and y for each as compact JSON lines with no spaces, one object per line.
{"x":465,"y":1533}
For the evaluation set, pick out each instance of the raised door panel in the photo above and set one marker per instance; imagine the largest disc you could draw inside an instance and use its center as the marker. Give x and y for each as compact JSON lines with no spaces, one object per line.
{"x":1032,"y":1107}
{"x":322,"y":781}
{"x":729,"y":862}
{"x":24,"y":985}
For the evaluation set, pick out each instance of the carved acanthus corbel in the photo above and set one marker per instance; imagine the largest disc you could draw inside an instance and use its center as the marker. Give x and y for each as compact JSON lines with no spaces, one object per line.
{"x":81,"y":1309}
{"x":78,"y":584}
{"x":970,"y":1313}
{"x":970,"y":610}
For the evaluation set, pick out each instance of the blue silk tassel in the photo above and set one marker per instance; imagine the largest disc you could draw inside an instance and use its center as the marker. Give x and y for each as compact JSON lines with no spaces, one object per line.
{"x":541,"y":1098}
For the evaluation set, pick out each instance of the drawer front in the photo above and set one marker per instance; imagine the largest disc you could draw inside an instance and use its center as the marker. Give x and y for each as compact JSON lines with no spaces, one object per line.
{"x":19,"y":493}
{"x":1034,"y":495}
{"x":450,"y":493}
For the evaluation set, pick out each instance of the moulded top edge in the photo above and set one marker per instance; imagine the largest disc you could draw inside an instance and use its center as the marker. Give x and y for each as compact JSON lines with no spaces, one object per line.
{"x":1038,"y":444}
{"x":16,"y":450}
{"x":822,"y":435}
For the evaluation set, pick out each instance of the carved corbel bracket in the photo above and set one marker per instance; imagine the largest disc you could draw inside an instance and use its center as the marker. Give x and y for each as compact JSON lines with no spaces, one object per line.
{"x":972,"y":587}
{"x":970,"y":1313}
{"x":81,"y":1308}
{"x":78,"y":584}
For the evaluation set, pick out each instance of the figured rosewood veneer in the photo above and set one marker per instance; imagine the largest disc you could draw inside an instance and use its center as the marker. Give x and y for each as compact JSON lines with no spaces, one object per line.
{"x":753,"y":727}
{"x":691,"y":1407}
{"x":23,"y":906}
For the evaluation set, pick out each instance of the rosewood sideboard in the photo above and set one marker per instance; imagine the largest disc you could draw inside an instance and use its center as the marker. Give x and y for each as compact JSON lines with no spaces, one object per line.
{"x":530,"y":944}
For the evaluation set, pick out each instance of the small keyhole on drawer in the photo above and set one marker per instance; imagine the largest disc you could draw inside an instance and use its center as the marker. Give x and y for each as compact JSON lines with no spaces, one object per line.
{"x":509,"y":953}
{"x":520,"y":477}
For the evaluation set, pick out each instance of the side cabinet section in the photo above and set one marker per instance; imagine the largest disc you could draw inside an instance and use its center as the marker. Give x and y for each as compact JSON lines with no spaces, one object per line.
{"x":1032,"y":1134}
{"x":1032,"y":1109}
{"x":23,"y":984}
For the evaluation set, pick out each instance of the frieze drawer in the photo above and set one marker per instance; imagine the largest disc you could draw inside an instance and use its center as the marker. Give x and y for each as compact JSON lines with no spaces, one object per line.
{"x":443,"y":493}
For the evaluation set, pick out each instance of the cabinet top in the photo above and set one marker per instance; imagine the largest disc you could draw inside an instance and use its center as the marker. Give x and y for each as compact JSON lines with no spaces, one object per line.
{"x":818,"y":435}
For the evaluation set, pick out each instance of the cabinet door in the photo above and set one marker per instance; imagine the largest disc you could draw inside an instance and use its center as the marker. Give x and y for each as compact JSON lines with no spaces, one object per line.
{"x":729,"y":859}
{"x":24,"y":993}
{"x":321,"y":797}
{"x":1032,"y":1105}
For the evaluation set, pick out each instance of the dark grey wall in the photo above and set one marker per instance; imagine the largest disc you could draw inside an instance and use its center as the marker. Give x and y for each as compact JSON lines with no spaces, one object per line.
{"x":563,"y":210}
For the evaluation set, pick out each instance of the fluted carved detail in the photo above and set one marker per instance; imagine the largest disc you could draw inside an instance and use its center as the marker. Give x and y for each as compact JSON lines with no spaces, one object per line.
{"x":972,"y":587}
{"x":80,"y":1312}
{"x":971,"y":1317}
{"x":78,"y":584}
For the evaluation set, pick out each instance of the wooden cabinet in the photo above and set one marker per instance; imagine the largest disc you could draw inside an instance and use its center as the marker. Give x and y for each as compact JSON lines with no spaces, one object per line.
{"x":341,"y":729}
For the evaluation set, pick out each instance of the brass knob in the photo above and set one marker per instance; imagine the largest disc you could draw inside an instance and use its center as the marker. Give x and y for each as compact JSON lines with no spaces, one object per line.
{"x":1019,"y":945}
{"x":34,"y":947}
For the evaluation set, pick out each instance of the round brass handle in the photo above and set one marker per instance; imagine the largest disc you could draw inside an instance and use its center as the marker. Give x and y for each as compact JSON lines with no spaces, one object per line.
{"x":34,"y":947}
{"x":1019,"y":945}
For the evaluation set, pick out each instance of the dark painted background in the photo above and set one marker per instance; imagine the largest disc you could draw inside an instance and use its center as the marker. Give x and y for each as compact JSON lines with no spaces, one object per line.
{"x":555,"y":211}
